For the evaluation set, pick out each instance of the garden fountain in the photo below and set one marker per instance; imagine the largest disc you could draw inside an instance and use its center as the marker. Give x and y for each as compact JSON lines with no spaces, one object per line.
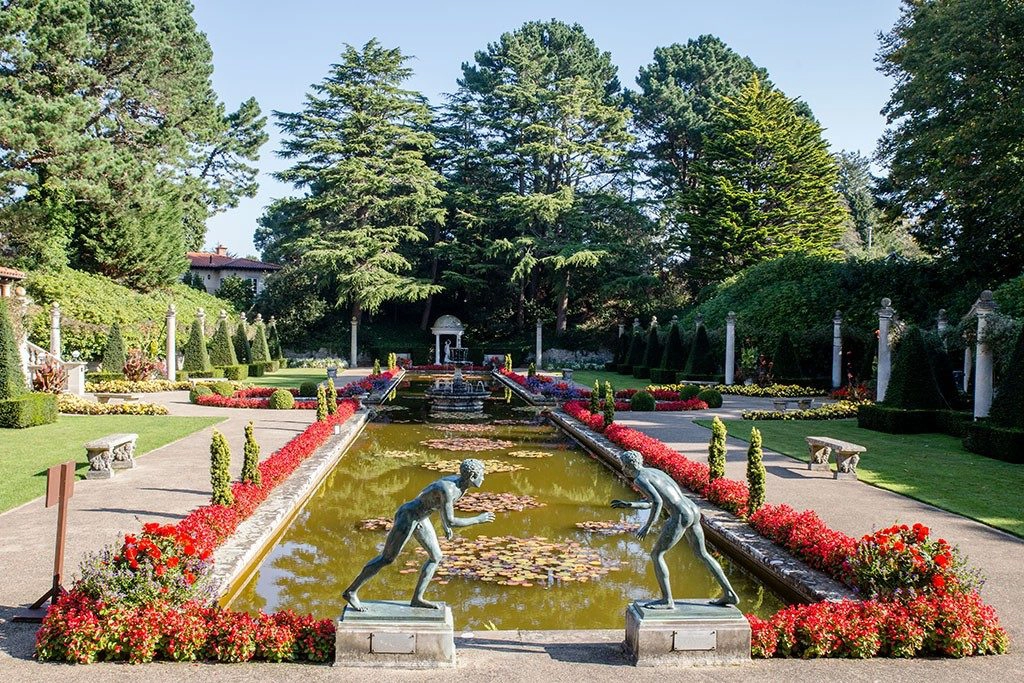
{"x":457,"y":395}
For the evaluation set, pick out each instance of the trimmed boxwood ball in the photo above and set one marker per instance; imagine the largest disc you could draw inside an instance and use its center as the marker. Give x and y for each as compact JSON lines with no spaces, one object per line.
{"x":712,"y":397}
{"x":199,"y":390}
{"x":281,"y":399}
{"x":307,"y":389}
{"x":225,"y":389}
{"x":642,"y":400}
{"x":688,"y":391}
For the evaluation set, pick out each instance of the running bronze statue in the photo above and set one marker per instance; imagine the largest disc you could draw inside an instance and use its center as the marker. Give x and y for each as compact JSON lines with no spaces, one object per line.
{"x":683,"y":520}
{"x":413,"y":519}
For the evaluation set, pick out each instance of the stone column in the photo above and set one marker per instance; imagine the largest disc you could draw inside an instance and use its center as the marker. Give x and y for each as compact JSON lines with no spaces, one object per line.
{"x":968,"y":367}
{"x":352,"y":351}
{"x":837,"y":350}
{"x":540,"y":347}
{"x":730,"y":348}
{"x":437,"y":349}
{"x":76,"y":376}
{"x":885,"y":314}
{"x":55,"y":329}
{"x":201,"y":315}
{"x":622,"y":329}
{"x":941,"y":321}
{"x":698,"y":321}
{"x":172,"y":350}
{"x":985,"y":307}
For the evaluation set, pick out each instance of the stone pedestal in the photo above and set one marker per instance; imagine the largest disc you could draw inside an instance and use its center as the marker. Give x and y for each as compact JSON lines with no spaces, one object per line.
{"x":391,"y":634}
{"x":694,"y":633}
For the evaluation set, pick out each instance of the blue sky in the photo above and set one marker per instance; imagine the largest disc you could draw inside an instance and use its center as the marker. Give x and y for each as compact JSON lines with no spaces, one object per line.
{"x":822,"y":51}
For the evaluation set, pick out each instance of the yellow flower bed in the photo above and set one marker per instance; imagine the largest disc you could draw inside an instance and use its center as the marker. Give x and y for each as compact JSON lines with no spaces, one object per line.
{"x":66,"y":403}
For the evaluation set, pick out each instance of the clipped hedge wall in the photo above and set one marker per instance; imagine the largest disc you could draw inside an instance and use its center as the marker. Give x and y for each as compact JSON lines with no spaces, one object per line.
{"x":663,"y":376}
{"x":28,"y":410}
{"x":883,"y":418}
{"x":999,"y":443}
{"x":235,"y":372}
{"x":256,"y":369}
{"x":90,"y":304}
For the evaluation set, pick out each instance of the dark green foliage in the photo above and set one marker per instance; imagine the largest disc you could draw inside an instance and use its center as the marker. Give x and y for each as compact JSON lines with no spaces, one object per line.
{"x":716,"y":449}
{"x":281,"y":399}
{"x":652,"y":350}
{"x":225,"y":389}
{"x":531,"y":370}
{"x":207,"y":374}
{"x":637,"y":345}
{"x":882,"y":418}
{"x":236,"y":372}
{"x":179,"y":376}
{"x":700,"y":363}
{"x":1010,"y":297}
{"x":274,"y":341}
{"x":660,"y":376}
{"x":242,"y":351}
{"x":641,"y":371}
{"x":786,"y":366}
{"x":308,"y":389}
{"x":103,"y":376}
{"x":1008,"y":403}
{"x":642,"y":400}
{"x":622,"y":348}
{"x":996,"y":442}
{"x":625,"y":369}
{"x":220,"y":470}
{"x":912,"y":381}
{"x":12,"y":379}
{"x":321,"y":403}
{"x":710,"y":396}
{"x":260,"y":349}
{"x":943,"y":367}
{"x":197,"y":360}
{"x":222,"y":349}
{"x":688,"y":391}
{"x":332,"y":397}
{"x":250,"y":465}
{"x":608,"y":412}
{"x":238,"y":291}
{"x":756,"y":473}
{"x":199,"y":390}
{"x":673,"y":357}
{"x":28,"y":410}
{"x":113,"y":353}
{"x":257,"y":369}
{"x":595,"y":398}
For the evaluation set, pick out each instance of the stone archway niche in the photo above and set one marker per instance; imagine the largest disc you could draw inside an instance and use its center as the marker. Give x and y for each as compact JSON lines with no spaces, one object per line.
{"x":446,"y":325}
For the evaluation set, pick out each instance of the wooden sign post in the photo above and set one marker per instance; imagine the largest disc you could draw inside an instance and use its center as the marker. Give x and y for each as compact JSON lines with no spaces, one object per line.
{"x":60,"y":486}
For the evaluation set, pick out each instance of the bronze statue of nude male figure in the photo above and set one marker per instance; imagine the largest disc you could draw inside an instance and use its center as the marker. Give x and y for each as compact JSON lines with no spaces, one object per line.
{"x":661,"y":491}
{"x":413,"y":519}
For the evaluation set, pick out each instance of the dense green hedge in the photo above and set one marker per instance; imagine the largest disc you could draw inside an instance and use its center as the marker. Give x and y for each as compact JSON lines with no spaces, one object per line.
{"x":995,"y":442}
{"x":235,"y":372}
{"x":90,"y":304}
{"x":28,"y":410}
{"x":882,"y":418}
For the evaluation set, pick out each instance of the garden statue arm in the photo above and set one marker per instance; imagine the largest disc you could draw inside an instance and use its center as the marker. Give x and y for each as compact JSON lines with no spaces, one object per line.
{"x":654,"y":504}
{"x":449,"y":521}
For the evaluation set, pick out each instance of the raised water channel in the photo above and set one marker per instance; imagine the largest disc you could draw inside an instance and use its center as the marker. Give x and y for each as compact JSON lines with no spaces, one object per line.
{"x":533,"y":568}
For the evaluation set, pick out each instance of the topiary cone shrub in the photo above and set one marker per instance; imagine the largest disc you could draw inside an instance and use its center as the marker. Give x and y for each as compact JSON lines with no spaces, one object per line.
{"x":113,"y":352}
{"x":756,"y":473}
{"x":220,"y":470}
{"x":222,"y":348}
{"x":716,"y":449}
{"x":635,"y":355}
{"x":652,"y":354}
{"x":609,"y":404}
{"x":700,"y":364}
{"x":673,"y":357}
{"x":912,"y":382}
{"x":12,"y":379}
{"x":1002,"y":435}
{"x":274,"y":341}
{"x":332,"y":397}
{"x":785,"y":363}
{"x":321,"y":403}
{"x":196,"y":357}
{"x":595,"y":398}
{"x":250,"y":466}
{"x":241,"y":343}
{"x":260,"y":350}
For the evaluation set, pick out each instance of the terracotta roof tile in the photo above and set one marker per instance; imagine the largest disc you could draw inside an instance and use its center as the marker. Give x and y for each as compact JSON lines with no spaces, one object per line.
{"x":210,"y":261}
{"x":11,"y":273}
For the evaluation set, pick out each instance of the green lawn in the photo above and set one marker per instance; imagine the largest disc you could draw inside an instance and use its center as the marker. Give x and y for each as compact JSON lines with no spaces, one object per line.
{"x":292,"y":377}
{"x":26,"y":454}
{"x":587,"y":377}
{"x":933,"y":468}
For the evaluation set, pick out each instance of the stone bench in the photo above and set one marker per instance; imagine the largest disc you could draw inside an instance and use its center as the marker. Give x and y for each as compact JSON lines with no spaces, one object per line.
{"x":781,"y":404}
{"x":847,"y":456}
{"x":109,"y":453}
{"x":105,"y":396}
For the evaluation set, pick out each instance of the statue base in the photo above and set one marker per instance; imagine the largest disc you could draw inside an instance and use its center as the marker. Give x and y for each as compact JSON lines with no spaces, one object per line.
{"x":819,"y":467}
{"x":845,"y":476}
{"x":391,"y":634}
{"x":695,"y":633}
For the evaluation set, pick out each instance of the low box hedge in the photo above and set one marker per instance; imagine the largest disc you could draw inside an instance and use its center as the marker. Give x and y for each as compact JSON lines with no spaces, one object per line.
{"x":28,"y":410}
{"x":103,"y":376}
{"x":999,"y":443}
{"x":624,"y":369}
{"x":641,"y":371}
{"x":235,"y":372}
{"x":273,"y":366}
{"x":717,"y":379}
{"x":180,"y":376}
{"x":663,"y":376}
{"x":256,"y":369}
{"x":891,"y":420}
{"x":611,"y":366}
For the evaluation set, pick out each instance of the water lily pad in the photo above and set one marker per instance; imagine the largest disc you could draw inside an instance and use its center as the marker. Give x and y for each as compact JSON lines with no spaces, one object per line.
{"x":375,"y":524}
{"x":490,"y":466}
{"x":608,"y":528}
{"x":464,"y":428}
{"x":467,"y":443}
{"x":486,"y":501}
{"x":529,"y":454}
{"x":401,"y":454}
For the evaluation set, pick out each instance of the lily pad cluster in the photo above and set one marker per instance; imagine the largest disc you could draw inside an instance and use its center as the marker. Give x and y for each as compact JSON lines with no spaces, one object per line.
{"x":390,"y":409}
{"x":401,"y":454}
{"x":513,"y":423}
{"x":513,"y":561}
{"x":486,"y":501}
{"x":490,"y":466}
{"x":465,"y":428}
{"x":608,"y":528}
{"x":452,"y":415}
{"x":529,"y":454}
{"x":375,"y":524}
{"x":467,"y":443}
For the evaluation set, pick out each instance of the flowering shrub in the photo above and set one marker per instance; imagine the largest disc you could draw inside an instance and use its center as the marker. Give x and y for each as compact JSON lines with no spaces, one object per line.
{"x":218,"y":401}
{"x":369,"y":384}
{"x":853,"y":392}
{"x":832,"y":411}
{"x":73,"y":405}
{"x":769,"y":391}
{"x":120,"y":386}
{"x":660,"y":394}
{"x":807,"y":537}
{"x":139,"y":367}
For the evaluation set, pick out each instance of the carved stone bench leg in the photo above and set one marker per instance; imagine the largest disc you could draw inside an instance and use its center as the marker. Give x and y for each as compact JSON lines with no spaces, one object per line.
{"x":100,"y":464}
{"x":124,"y":456}
{"x":846,"y":466}
{"x":819,"y":458}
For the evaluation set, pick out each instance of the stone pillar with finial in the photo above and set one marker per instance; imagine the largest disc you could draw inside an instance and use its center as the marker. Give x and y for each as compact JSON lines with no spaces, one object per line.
{"x":730,"y":348}
{"x":984,"y":308}
{"x":941,"y":321}
{"x":698,"y":320}
{"x":539,"y":351}
{"x":352,"y":350}
{"x":837,"y":350}
{"x":172,"y":349}
{"x":201,"y":316}
{"x":55,"y":329}
{"x":885,"y":315}
{"x":622,"y":329}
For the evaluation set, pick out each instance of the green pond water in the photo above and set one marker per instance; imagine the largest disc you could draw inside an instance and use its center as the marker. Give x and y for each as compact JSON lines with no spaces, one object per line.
{"x":583,"y":580}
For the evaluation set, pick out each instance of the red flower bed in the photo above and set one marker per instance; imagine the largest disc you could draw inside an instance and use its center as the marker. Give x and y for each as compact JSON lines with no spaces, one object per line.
{"x":658,"y":394}
{"x":234,"y":401}
{"x":807,"y":537}
{"x":260,"y":392}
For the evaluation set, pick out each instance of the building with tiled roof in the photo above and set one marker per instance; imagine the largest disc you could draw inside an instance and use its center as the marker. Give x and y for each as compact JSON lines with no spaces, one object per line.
{"x":212,"y":267}
{"x":9,"y":277}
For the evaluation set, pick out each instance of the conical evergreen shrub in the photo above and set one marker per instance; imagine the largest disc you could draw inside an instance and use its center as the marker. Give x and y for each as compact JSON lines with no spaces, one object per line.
{"x":609,"y":404}
{"x":716,"y":449}
{"x":756,"y":473}
{"x":1008,"y":403}
{"x":700,"y":362}
{"x":786,"y":365}
{"x":113,"y":352}
{"x":273,"y":341}
{"x":220,"y":466}
{"x":637,"y":345}
{"x":622,"y":348}
{"x":652,"y":350}
{"x":250,"y":466}
{"x":321,"y":403}
{"x":673,"y":357}
{"x":260,"y":348}
{"x":222,"y":348}
{"x":12,"y":379}
{"x":332,"y":397}
{"x":241,"y":342}
{"x":196,"y":357}
{"x":912,"y":380}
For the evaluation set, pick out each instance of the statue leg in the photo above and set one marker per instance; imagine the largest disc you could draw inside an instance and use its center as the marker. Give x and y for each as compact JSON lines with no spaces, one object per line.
{"x":695,"y":534}
{"x":427,"y":537}
{"x":670,"y":535}
{"x":397,"y":538}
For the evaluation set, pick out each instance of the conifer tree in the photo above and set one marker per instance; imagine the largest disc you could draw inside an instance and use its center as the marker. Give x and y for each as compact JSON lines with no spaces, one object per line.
{"x":197,"y":359}
{"x":756,"y":473}
{"x":260,"y":352}
{"x":241,"y":341}
{"x":637,"y":345}
{"x":321,"y":403}
{"x":622,"y":348}
{"x":595,"y":397}
{"x":220,"y":466}
{"x":113,"y":352}
{"x":700,"y":363}
{"x":332,"y":397}
{"x":250,"y":466}
{"x":222,"y":348}
{"x":12,"y":378}
{"x":609,"y":404}
{"x":273,"y":341}
{"x":716,"y":449}
{"x":912,"y":382}
{"x":652,"y":349}
{"x":674,"y":355}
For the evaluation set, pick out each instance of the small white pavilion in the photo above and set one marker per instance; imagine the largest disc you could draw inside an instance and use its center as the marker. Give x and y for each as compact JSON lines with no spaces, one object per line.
{"x":446,"y":325}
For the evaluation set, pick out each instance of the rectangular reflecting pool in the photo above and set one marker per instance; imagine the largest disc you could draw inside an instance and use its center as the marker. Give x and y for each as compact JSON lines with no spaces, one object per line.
{"x":556,"y":556}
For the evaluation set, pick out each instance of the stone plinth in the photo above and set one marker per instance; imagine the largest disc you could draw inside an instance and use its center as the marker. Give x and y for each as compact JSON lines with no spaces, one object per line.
{"x":695,"y":633}
{"x":391,"y":634}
